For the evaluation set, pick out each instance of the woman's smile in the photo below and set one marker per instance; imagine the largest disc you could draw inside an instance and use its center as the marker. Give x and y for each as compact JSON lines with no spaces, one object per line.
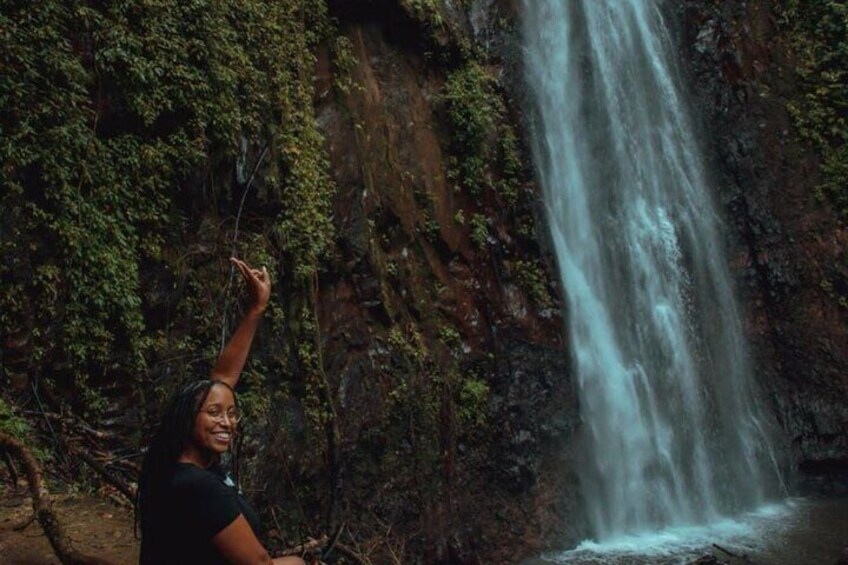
{"x":222,"y":437}
{"x":215,"y":424}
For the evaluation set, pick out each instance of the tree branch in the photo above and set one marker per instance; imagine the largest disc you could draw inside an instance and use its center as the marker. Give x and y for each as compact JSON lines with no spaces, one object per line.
{"x":43,"y":508}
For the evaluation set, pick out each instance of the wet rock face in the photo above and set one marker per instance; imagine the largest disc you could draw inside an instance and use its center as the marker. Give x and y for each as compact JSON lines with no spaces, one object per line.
{"x":539,"y":421}
{"x":521,"y":494}
{"x":783,"y":240}
{"x":455,"y":401}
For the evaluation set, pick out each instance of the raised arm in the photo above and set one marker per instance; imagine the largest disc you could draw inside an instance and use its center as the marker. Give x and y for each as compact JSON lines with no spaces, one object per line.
{"x":231,"y":361}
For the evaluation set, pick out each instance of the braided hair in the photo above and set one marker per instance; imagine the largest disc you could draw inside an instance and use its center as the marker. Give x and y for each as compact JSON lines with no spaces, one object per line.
{"x":169,"y":441}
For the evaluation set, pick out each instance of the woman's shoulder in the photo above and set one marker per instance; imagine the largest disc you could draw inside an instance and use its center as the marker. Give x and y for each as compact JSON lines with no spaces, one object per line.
{"x":191,"y":479}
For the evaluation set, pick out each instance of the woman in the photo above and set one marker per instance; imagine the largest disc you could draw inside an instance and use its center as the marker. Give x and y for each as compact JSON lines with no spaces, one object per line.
{"x":189,"y":511}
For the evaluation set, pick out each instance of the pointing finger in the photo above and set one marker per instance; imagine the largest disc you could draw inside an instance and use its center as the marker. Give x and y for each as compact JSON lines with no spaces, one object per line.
{"x":244,"y":269}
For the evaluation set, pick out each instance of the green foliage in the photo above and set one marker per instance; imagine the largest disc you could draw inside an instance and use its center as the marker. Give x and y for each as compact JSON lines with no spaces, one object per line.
{"x":471,"y":400}
{"x":430,"y":229}
{"x":11,"y":423}
{"x":451,"y":337}
{"x":425,"y":11}
{"x":408,"y":343}
{"x":480,"y":134}
{"x":344,"y":62}
{"x":437,"y":19}
{"x":254,"y":401}
{"x":479,"y":230}
{"x":15,"y":425}
{"x":818,"y":31}
{"x":531,"y":277}
{"x":114,"y":118}
{"x":473,"y":113}
{"x":512,"y":167}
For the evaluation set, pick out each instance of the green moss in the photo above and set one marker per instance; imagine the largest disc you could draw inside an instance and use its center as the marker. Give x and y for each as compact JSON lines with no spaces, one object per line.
{"x":512,"y":167}
{"x":409,"y":343}
{"x":532,"y":279}
{"x":451,"y":337}
{"x":480,"y":134}
{"x":818,"y":35}
{"x":472,"y":400}
{"x":473,"y":113}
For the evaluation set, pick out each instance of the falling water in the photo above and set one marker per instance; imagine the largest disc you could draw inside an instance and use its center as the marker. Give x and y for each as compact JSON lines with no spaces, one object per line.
{"x":673,"y":431}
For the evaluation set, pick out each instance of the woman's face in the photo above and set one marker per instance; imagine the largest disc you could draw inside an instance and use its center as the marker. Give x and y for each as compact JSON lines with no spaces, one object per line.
{"x":215,"y":423}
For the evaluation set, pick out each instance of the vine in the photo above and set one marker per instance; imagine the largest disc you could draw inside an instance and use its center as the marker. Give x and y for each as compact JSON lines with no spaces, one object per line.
{"x":115,"y":119}
{"x":819,"y":39}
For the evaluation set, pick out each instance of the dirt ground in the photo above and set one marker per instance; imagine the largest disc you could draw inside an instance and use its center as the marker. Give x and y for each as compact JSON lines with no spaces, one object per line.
{"x":95,"y":524}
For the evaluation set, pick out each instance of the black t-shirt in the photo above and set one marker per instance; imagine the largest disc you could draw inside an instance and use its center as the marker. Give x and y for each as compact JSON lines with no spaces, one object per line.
{"x":199,"y":503}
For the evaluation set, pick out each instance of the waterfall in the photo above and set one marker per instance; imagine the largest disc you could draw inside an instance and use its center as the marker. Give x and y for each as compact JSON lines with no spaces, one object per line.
{"x":672,"y":430}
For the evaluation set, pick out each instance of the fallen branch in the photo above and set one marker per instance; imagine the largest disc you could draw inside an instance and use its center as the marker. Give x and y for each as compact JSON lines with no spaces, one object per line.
{"x":310,"y":545}
{"x":122,"y":487}
{"x":43,"y":508}
{"x":92,"y":453}
{"x":351,"y":554}
{"x":76,"y":422}
{"x":324,"y":545}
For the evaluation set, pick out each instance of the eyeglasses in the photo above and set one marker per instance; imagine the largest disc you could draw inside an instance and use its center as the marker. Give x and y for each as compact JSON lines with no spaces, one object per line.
{"x":219,"y":415}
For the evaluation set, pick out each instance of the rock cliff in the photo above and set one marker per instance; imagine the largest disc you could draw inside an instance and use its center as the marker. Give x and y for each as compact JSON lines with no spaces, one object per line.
{"x":788,"y":245}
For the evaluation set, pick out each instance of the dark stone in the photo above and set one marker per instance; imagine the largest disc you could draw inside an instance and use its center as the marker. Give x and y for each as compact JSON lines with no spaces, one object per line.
{"x":742,"y":77}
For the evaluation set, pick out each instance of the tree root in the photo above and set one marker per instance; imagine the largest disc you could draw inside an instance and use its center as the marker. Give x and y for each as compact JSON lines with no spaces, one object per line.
{"x":43,"y":509}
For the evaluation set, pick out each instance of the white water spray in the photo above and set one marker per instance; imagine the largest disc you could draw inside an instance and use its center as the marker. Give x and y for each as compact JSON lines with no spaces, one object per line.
{"x":674,"y":434}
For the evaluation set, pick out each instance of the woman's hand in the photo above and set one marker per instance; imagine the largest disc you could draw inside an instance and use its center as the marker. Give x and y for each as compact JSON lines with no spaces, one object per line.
{"x":231,"y":361}
{"x":258,"y":284}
